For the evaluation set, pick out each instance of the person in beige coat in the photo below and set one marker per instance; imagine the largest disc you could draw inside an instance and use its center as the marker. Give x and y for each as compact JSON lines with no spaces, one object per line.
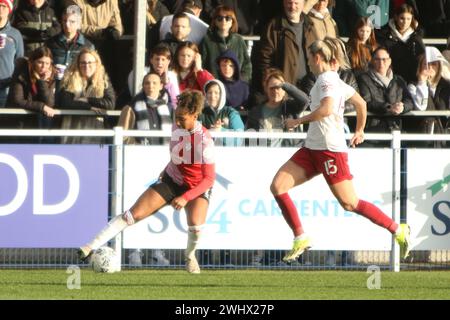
{"x":319,"y":23}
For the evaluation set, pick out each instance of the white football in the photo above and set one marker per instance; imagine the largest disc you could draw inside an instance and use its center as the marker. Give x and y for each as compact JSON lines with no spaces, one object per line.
{"x":105,"y":260}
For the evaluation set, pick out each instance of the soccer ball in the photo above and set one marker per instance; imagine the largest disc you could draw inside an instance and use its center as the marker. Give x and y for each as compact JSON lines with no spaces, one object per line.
{"x":105,"y":260}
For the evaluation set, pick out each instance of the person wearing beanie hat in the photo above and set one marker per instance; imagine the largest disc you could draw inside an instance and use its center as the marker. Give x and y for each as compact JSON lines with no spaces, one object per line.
{"x":9,"y":4}
{"x":11,"y":48}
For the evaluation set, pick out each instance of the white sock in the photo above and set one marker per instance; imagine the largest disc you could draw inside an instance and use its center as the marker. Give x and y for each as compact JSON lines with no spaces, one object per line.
{"x":115,"y":226}
{"x":194,"y":233}
{"x":302,"y":236}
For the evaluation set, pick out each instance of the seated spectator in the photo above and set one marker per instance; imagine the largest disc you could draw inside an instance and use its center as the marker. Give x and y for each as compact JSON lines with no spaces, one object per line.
{"x":11,"y":48}
{"x":271,"y":115}
{"x":217,"y":116}
{"x":402,"y":36}
{"x":66,"y":45}
{"x":180,"y":30}
{"x":160,"y":59}
{"x":346,"y":12}
{"x":237,"y":90}
{"x":361,"y":44}
{"x":148,"y":111}
{"x":188,"y":67}
{"x":32,"y":88}
{"x":86,"y":86}
{"x":385,"y":93}
{"x":222,"y":35}
{"x":431,"y":91}
{"x":193,"y":9}
{"x":37,"y":23}
{"x":319,"y":23}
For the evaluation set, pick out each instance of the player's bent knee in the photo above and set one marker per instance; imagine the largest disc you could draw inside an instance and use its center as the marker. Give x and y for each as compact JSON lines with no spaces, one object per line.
{"x":276,"y":187}
{"x":349,"y":206}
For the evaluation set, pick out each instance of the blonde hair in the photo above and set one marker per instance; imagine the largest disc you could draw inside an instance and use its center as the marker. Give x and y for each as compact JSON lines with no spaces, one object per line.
{"x":339,"y":51}
{"x":323,"y":48}
{"x":75,"y":83}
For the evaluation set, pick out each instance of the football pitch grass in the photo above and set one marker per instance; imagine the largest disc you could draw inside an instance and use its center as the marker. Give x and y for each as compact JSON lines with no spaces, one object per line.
{"x":223,"y":285}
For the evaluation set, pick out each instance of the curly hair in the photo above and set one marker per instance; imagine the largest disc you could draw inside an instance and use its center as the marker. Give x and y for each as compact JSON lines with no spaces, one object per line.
{"x":191,"y":101}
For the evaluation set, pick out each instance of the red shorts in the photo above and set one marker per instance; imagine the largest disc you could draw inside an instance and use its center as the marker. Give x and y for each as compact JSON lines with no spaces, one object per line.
{"x":333,"y":165}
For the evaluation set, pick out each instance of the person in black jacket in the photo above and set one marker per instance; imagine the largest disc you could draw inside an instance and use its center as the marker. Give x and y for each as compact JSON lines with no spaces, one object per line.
{"x":386,"y":94}
{"x":402,"y":36}
{"x":37,"y":22}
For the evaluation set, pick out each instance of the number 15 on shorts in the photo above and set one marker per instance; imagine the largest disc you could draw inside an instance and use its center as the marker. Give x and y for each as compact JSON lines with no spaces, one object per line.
{"x":330,"y":167}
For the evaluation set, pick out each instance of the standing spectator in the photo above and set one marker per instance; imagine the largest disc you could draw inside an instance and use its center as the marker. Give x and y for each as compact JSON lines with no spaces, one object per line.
{"x":229,"y":73}
{"x":222,"y":36}
{"x":435,"y":17}
{"x":281,"y":46}
{"x":346,"y":12}
{"x":11,"y":48}
{"x":319,"y":23}
{"x":180,"y":31}
{"x":188,"y":66}
{"x":431,"y":91}
{"x":37,"y":22}
{"x":101,"y":23}
{"x":386,"y":94}
{"x":403,"y":39}
{"x":156,"y":10}
{"x":193,"y":9}
{"x":361,"y":45}
{"x":33,"y":88}
{"x":160,"y":59}
{"x":66,"y":45}
{"x":86,"y":86}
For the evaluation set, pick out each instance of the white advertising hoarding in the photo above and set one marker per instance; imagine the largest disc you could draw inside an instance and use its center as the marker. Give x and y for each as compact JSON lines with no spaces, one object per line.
{"x":244,"y":215}
{"x":428,"y":206}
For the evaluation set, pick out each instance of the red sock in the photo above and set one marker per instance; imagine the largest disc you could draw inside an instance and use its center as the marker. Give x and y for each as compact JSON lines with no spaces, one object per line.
{"x":374,"y":214}
{"x":290,"y":213}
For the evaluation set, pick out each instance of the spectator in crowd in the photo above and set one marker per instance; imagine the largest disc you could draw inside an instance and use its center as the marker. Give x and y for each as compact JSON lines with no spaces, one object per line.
{"x":193,"y":9}
{"x":11,"y":48}
{"x":37,"y":23}
{"x":66,"y":45}
{"x":361,"y":44}
{"x":222,"y":36}
{"x":160,"y":58}
{"x":402,"y":36}
{"x":156,"y":10}
{"x":246,"y":13}
{"x":86,"y":86}
{"x":148,"y":110}
{"x":431,"y":91}
{"x":188,"y":67}
{"x":319,"y":23}
{"x":346,"y":12}
{"x":180,"y":31}
{"x":33,"y":88}
{"x":229,"y":73}
{"x":278,"y":107}
{"x":435,"y":17}
{"x":386,"y":94}
{"x":101,"y":23}
{"x":395,"y":4}
{"x":281,"y":46}
{"x":217,"y":116}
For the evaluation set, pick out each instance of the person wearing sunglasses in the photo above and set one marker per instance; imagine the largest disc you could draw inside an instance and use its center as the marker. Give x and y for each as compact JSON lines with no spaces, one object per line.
{"x":222,"y":35}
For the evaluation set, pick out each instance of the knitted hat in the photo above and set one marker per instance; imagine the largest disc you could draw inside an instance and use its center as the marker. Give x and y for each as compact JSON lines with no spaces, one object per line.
{"x":9,"y":4}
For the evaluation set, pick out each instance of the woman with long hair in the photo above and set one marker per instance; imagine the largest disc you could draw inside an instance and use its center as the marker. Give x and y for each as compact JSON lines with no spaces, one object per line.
{"x":361,"y":44}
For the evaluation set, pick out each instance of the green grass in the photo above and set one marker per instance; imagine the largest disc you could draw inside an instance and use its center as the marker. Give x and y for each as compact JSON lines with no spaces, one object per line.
{"x":229,"y":284}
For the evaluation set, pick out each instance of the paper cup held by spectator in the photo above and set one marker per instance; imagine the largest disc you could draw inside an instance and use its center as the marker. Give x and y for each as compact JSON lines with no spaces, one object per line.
{"x":60,"y":69}
{"x":3,"y":37}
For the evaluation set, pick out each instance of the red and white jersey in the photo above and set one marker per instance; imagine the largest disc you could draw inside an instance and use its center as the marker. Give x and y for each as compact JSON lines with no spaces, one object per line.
{"x":192,"y":160}
{"x":328,"y":133}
